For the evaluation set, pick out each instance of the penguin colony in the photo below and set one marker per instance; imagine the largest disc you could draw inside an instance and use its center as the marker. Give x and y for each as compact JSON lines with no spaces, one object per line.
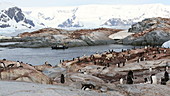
{"x":119,"y":59}
{"x":116,"y":59}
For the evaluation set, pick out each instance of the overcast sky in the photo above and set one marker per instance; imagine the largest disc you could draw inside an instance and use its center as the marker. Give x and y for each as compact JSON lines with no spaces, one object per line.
{"x":48,"y":3}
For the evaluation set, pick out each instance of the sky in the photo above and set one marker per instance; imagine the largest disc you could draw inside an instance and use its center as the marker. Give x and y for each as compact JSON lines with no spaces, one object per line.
{"x":53,"y":3}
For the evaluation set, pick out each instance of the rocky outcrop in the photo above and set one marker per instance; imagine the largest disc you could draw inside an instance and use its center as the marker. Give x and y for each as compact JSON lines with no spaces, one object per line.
{"x":51,"y":36}
{"x":18,"y":71}
{"x":26,"y":75}
{"x":151,"y":31}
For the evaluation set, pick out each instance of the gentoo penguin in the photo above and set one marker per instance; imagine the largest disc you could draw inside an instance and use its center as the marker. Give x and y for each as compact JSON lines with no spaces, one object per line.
{"x":87,"y":86}
{"x":166,"y":67}
{"x":4,"y":59}
{"x":10,"y":65}
{"x":129,"y":80}
{"x":150,"y":69}
{"x":18,"y":64}
{"x":130,"y":73}
{"x":62,"y":80}
{"x":130,"y":77}
{"x":118,"y":64}
{"x":146,"y":80}
{"x":166,"y":76}
{"x":121,"y":80}
{"x":153,"y":79}
{"x":2,"y":64}
{"x":46,"y":63}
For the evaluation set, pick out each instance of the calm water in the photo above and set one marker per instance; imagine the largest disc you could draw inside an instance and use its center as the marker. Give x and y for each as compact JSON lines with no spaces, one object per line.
{"x":37,"y":56}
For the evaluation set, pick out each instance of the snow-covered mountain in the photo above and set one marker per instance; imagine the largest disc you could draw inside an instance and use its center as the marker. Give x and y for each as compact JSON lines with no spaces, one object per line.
{"x":13,"y":19}
{"x":89,"y":16}
{"x":84,"y":16}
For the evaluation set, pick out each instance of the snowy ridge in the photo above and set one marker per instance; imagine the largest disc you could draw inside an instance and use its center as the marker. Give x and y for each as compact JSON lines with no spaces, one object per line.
{"x":84,"y":16}
{"x":97,"y":15}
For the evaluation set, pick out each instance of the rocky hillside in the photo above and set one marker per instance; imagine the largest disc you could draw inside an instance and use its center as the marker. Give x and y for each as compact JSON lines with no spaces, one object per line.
{"x":51,"y":36}
{"x":151,"y":31}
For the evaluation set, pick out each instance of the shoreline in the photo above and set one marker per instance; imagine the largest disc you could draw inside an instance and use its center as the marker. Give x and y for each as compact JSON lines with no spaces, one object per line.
{"x":104,"y":76}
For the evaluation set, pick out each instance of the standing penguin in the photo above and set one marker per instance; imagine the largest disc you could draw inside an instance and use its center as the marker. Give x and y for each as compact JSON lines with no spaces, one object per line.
{"x":130,"y":73}
{"x":166,"y":76}
{"x":150,"y":69}
{"x":2,"y":64}
{"x":146,"y":80}
{"x":62,"y":80}
{"x":166,"y":68}
{"x":129,"y":80}
{"x":121,"y":80}
{"x":130,"y":77}
{"x":153,"y":79}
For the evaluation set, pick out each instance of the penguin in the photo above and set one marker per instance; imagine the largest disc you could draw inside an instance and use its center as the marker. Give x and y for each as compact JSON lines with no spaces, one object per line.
{"x":79,"y":70}
{"x":166,"y":76}
{"x":46,"y":63}
{"x":165,"y":51}
{"x":118,"y":64}
{"x":129,"y":80}
{"x":4,"y":59}
{"x":123,"y":63}
{"x":146,"y":80}
{"x":130,"y":73}
{"x":87,"y":86}
{"x":166,"y":68}
{"x":62,"y":79}
{"x":84,"y":72}
{"x":138,"y":60}
{"x":18,"y":64}
{"x":130,"y":77}
{"x":153,"y":79}
{"x":2,"y":64}
{"x":10,"y":65}
{"x":121,"y":80}
{"x":150,"y":69}
{"x":30,"y":64}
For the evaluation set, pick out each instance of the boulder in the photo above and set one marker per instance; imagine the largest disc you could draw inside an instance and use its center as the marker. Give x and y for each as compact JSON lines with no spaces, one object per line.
{"x":166,"y":44}
{"x":97,"y":38}
{"x":54,"y":72}
{"x":79,"y":77}
{"x":151,"y":31}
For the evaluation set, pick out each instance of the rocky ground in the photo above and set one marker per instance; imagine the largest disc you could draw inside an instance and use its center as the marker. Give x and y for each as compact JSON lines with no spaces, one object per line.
{"x":103,"y":71}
